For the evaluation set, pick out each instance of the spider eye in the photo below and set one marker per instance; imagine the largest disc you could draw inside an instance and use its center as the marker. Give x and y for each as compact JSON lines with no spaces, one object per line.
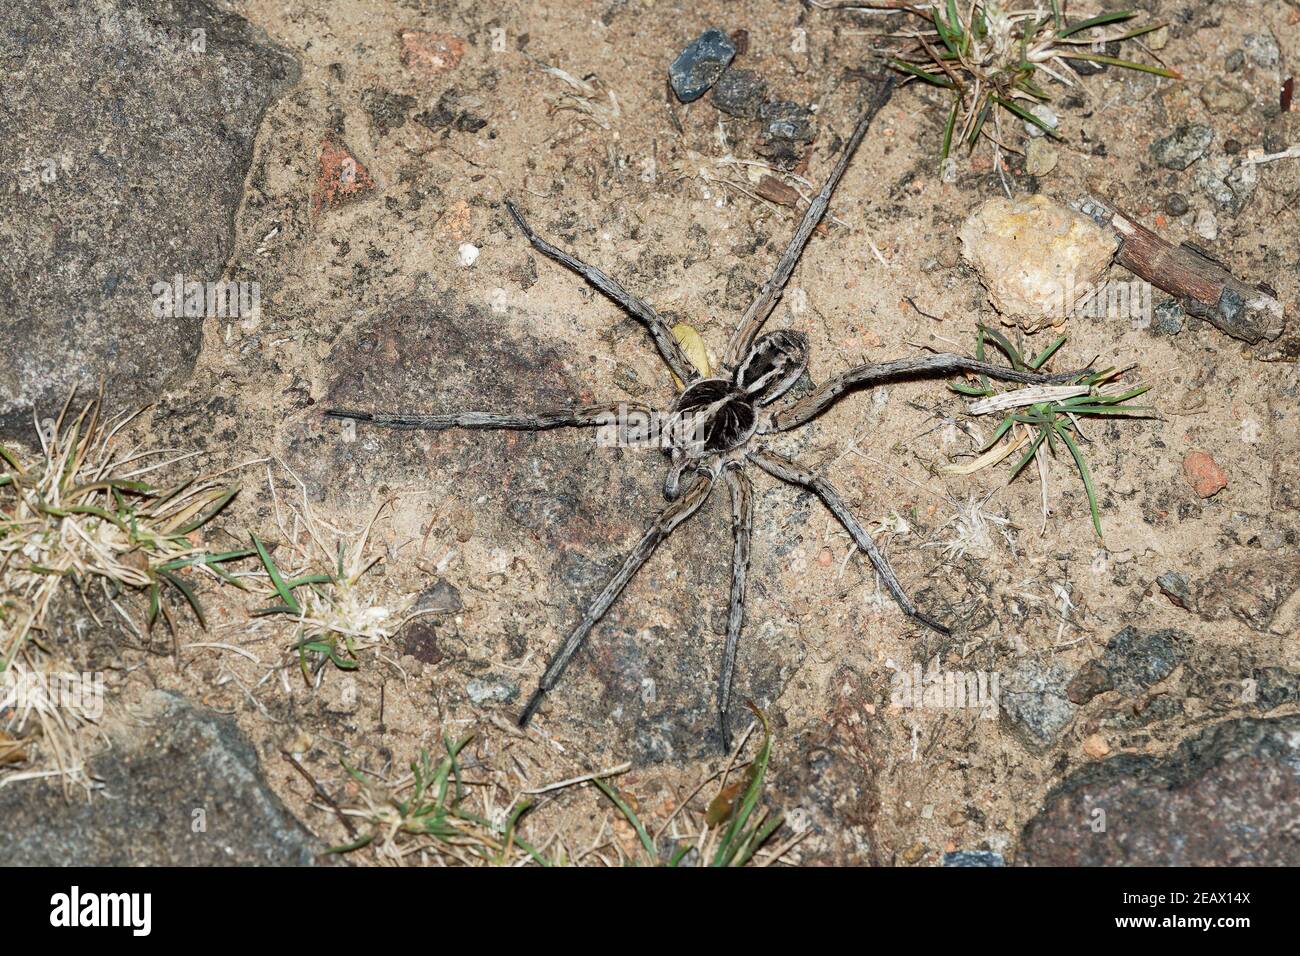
{"x":774,"y":364}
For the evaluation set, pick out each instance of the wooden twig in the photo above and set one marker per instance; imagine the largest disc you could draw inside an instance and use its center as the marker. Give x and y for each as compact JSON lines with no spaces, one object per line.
{"x":1205,"y":287}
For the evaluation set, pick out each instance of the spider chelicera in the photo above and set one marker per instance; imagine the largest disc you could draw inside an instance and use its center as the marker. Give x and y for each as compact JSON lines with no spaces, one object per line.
{"x":731,"y":417}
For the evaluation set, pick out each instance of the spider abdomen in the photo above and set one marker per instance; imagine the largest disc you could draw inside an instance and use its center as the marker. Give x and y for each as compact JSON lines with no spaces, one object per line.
{"x":712,"y":416}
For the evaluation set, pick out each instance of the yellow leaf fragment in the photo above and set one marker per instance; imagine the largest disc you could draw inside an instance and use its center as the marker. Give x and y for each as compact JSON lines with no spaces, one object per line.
{"x":693,"y":346}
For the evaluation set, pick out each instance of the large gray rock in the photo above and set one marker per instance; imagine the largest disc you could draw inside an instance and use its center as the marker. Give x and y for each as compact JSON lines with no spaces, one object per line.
{"x":128,"y":135}
{"x":1228,"y":796}
{"x":181,"y":788}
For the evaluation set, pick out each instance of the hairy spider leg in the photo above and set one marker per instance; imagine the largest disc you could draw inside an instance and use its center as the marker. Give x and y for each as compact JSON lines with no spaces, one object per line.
{"x":585,"y":415}
{"x":786,"y":470}
{"x":768,"y":296}
{"x":742,"y":532}
{"x":638,"y":308}
{"x":678,"y":511}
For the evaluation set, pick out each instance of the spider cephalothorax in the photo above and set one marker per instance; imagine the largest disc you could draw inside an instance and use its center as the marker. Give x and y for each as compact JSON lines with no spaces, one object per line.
{"x":719,"y":427}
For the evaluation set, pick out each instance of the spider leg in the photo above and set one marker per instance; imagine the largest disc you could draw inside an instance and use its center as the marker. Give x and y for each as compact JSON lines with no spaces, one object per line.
{"x":787,"y":471}
{"x":668,"y":520}
{"x":944,"y":363}
{"x":608,"y":414}
{"x":638,"y":308}
{"x":759,"y":310}
{"x":742,"y":531}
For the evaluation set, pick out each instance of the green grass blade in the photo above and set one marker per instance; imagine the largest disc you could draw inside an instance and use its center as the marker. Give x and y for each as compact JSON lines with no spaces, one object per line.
{"x":1115,"y":61}
{"x":949,"y":128}
{"x":281,"y":588}
{"x":1027,"y":116}
{"x":205,"y":517}
{"x":628,"y":812}
{"x":1086,"y":475}
{"x":188,"y":592}
{"x":1100,"y":20}
{"x":916,"y":71}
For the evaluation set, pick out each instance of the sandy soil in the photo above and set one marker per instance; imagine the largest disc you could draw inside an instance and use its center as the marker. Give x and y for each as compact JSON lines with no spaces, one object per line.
{"x":365,"y":302}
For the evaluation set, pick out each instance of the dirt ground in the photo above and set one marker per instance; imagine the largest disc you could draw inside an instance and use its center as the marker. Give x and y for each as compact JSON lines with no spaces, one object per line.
{"x":366,"y":303}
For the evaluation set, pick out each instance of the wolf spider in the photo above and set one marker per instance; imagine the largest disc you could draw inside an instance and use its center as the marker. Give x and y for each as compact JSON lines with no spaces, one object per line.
{"x":731,"y":415}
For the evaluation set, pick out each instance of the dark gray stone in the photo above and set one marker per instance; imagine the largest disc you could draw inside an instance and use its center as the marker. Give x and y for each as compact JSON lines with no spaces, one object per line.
{"x":419,"y":639}
{"x":130,"y":147}
{"x":1173,"y":583}
{"x":1176,"y":204}
{"x":1251,"y":592}
{"x":1275,"y":686}
{"x":1168,"y":318}
{"x":740,"y":93}
{"x":1136,"y":660}
{"x":973,"y":858}
{"x":700,"y":65}
{"x":787,"y":121}
{"x":1035,"y":700}
{"x":440,"y":597}
{"x":1229,"y":796}
{"x":182,"y":768}
{"x":1183,"y":146}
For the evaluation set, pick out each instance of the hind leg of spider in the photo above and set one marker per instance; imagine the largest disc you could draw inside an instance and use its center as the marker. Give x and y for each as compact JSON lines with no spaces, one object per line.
{"x":742,"y":531}
{"x":690,"y":501}
{"x":787,"y":471}
{"x":635,"y":306}
{"x":608,"y":414}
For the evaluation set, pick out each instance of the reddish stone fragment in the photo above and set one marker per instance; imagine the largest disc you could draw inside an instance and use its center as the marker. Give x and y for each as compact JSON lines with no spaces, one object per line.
{"x":339,"y":178}
{"x":430,"y":53}
{"x":1204,"y":474}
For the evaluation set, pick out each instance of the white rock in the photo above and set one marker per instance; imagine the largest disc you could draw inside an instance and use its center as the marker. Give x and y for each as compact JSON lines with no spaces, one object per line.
{"x":1037,"y":258}
{"x":1044,"y":113}
{"x":468,"y":254}
{"x":1207,"y":225}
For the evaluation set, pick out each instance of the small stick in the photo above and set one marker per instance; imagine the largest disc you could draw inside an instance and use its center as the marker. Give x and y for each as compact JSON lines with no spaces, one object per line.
{"x":1205,"y":287}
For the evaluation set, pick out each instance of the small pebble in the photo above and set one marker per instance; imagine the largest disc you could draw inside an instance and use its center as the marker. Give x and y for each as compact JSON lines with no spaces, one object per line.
{"x":467,"y":255}
{"x":1222,"y":96}
{"x":1204,"y":474}
{"x":1207,"y":225}
{"x":739,"y":93}
{"x":1184,"y":146}
{"x":1176,"y":204}
{"x":700,"y":65}
{"x":492,"y":690}
{"x":1262,"y":50}
{"x":1174,"y":585}
{"x":914,"y":853}
{"x":787,"y":121}
{"x":1044,"y":113}
{"x":1168,"y":318}
{"x":1096,"y":746}
{"x":973,"y":858}
{"x":1040,"y":157}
